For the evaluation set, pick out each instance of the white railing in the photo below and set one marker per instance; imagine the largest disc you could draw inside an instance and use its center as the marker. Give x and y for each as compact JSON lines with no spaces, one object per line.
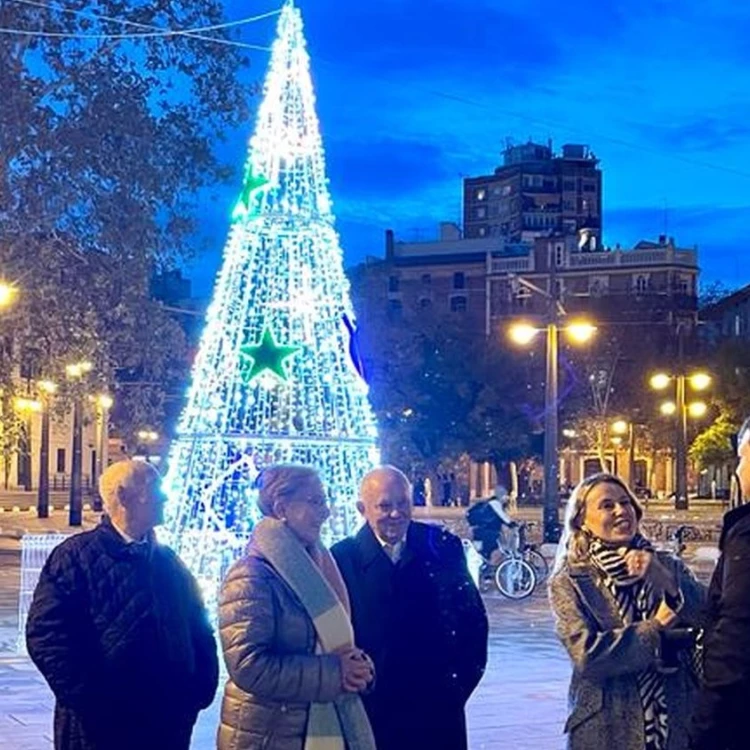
{"x":634,"y":258}
{"x":512,"y":265}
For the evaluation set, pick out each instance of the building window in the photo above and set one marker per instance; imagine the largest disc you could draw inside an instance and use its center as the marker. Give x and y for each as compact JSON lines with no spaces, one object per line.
{"x":459,"y":280}
{"x":641,"y":283}
{"x":507,"y":189}
{"x":393,"y":283}
{"x":426,"y":279}
{"x":481,"y":194}
{"x":482,"y":231}
{"x":589,"y":187}
{"x":425,"y":303}
{"x":569,"y":185}
{"x":60,"y":461}
{"x":481,"y":213}
{"x":458,"y":304}
{"x":598,"y":285}
{"x":522,"y":296}
{"x":683,"y":285}
{"x":395,"y":308}
{"x":497,"y":190}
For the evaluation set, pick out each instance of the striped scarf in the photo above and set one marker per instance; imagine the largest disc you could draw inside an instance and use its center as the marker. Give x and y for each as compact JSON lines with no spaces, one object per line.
{"x":343,"y":723}
{"x":636,"y":601}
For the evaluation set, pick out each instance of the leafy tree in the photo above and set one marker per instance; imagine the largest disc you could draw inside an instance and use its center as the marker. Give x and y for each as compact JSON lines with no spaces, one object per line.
{"x":713,"y":446}
{"x":105,"y":144}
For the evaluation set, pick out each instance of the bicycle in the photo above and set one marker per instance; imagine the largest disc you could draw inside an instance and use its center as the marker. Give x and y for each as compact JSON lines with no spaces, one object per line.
{"x":511,"y":569}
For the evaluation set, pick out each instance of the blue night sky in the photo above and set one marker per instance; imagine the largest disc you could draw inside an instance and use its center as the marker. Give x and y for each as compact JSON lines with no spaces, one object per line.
{"x":414,"y":94}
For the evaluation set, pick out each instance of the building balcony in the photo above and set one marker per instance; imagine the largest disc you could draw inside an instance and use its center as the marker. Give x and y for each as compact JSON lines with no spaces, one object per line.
{"x":519,"y":264}
{"x":629,"y":258}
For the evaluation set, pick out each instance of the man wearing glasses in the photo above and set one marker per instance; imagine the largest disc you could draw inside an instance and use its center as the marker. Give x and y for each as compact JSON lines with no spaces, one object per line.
{"x":720,"y":721}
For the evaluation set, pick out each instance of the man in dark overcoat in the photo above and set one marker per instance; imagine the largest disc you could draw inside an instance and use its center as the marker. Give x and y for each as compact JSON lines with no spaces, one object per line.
{"x":118,"y":628}
{"x":419,"y":616}
{"x":720,"y":721}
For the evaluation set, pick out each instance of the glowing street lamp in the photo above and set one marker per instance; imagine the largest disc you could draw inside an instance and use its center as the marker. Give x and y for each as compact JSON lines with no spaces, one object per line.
{"x":620,"y":427}
{"x":697,"y":409}
{"x":698,"y":381}
{"x":668,"y":408}
{"x":579,"y":332}
{"x":8,"y":293}
{"x":522,"y":333}
{"x":660,"y":381}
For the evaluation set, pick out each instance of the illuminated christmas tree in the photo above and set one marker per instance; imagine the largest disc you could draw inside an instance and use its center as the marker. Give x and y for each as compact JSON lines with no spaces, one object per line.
{"x":276,"y":378}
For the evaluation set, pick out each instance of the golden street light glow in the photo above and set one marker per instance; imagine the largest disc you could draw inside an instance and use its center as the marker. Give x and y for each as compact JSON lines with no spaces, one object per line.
{"x":522,"y":333}
{"x":699,"y":381}
{"x":28,"y":404}
{"x":660,"y":381}
{"x":568,"y":433}
{"x":78,"y":369}
{"x":620,"y":427}
{"x":580,"y":331}
{"x":697,"y":409}
{"x":7,"y":293}
{"x":47,"y":386}
{"x":105,"y":401}
{"x":617,"y":440}
{"x":147,"y":436}
{"x":668,"y":408}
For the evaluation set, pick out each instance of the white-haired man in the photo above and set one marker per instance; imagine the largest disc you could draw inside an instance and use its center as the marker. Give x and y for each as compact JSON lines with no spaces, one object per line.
{"x":118,"y":628}
{"x":418,"y":615}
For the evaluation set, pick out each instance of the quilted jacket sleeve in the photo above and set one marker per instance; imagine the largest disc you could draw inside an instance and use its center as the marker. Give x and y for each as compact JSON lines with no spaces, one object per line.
{"x":248,"y":623}
{"x":58,"y":636}
{"x":600,"y":654}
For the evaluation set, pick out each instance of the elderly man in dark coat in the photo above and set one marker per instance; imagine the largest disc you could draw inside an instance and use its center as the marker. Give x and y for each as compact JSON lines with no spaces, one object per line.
{"x":118,"y":628}
{"x":419,"y":616}
{"x":720,"y":721}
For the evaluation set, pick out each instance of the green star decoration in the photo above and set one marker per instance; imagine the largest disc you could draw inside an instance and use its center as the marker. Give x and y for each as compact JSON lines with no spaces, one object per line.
{"x":252,"y":184}
{"x":265,"y":355}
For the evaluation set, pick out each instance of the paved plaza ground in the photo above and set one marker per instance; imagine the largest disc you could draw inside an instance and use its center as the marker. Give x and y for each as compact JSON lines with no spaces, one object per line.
{"x":520,"y":703}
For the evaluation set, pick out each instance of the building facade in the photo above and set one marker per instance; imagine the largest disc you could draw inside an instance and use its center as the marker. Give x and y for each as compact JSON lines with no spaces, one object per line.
{"x":644,"y":291}
{"x":536,"y":192}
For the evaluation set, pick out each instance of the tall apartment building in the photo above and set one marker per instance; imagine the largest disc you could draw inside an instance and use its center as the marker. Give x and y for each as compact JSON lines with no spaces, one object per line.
{"x":536,"y":192}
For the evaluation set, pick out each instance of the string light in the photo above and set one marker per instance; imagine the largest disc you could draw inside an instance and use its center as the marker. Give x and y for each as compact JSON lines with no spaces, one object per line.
{"x":280,"y":296}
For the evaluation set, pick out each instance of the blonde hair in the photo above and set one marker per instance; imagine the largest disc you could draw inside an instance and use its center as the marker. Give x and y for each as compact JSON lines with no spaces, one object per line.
{"x":280,"y":482}
{"x":574,"y":542}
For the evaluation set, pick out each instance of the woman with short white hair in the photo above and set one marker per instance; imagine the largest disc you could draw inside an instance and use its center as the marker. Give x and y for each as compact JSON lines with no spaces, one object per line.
{"x":624,"y":613}
{"x":294,"y":671}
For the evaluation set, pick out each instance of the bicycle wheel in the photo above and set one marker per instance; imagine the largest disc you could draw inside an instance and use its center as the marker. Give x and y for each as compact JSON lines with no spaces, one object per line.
{"x":515,"y":578}
{"x":536,"y":560}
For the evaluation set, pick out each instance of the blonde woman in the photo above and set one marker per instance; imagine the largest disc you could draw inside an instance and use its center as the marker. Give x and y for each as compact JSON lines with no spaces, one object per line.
{"x":294,"y":671}
{"x":622,"y":612}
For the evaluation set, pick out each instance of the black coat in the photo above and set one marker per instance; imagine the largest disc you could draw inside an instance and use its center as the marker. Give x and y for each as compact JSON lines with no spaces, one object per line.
{"x":720,"y":721}
{"x":120,"y":633}
{"x":423,"y":623}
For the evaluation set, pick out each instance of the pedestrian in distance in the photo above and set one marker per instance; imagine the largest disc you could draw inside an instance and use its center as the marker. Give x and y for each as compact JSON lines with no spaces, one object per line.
{"x":626,"y":615}
{"x":720,"y":721}
{"x":295,"y":673}
{"x":118,"y":629}
{"x":417,"y":612}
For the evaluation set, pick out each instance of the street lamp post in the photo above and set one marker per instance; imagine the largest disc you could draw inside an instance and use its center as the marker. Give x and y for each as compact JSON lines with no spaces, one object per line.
{"x":47,"y":388}
{"x":75,"y":518}
{"x":579,"y":331}
{"x":27,"y":406}
{"x":682,"y":409}
{"x":104,"y":403}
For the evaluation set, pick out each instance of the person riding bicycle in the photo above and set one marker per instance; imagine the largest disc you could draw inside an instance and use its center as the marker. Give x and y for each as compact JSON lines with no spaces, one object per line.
{"x":489,"y":519}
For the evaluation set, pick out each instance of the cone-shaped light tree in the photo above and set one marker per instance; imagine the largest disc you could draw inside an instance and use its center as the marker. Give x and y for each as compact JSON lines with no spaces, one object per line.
{"x":276,"y":377}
